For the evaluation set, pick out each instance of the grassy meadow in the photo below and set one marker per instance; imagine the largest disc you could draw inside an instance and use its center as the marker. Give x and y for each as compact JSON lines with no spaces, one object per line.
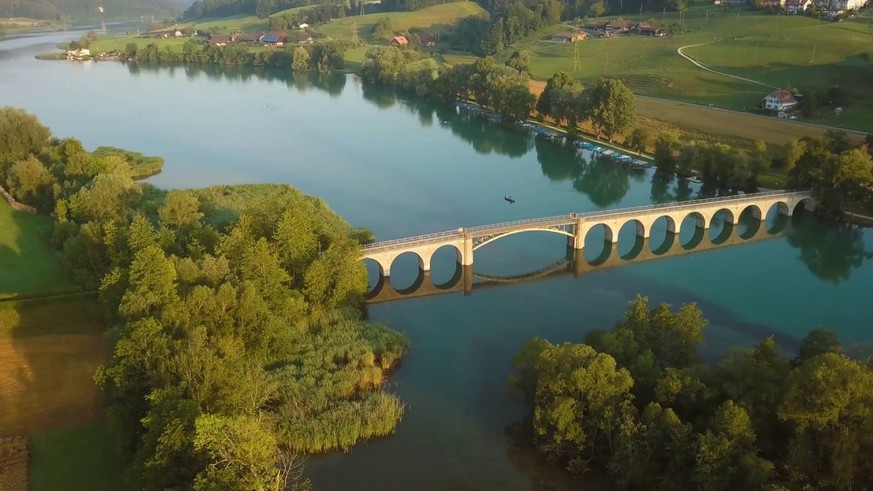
{"x":435,"y":18}
{"x":779,"y":51}
{"x":28,"y":265}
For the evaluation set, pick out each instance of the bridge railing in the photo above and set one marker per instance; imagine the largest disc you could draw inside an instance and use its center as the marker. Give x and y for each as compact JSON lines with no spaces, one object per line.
{"x":513,"y":224}
{"x":692,"y":203}
{"x":568,"y":218}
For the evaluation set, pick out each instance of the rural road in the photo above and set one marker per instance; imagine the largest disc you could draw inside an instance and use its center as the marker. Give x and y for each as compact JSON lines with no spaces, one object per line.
{"x":681,"y":53}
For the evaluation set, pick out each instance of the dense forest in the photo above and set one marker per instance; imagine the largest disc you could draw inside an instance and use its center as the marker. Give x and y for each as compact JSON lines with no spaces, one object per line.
{"x":639,"y":404}
{"x":78,"y":9}
{"x":239,"y":342}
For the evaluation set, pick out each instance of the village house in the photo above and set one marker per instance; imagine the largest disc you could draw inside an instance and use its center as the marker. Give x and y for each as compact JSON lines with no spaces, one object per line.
{"x":219,"y":40}
{"x":427,"y":39}
{"x":619,"y":25}
{"x":567,"y":37}
{"x":841,"y":5}
{"x":652,"y":31}
{"x":398,"y":41}
{"x":780,"y":100}
{"x":79,"y":54}
{"x":273,"y":39}
{"x":797,"y":6}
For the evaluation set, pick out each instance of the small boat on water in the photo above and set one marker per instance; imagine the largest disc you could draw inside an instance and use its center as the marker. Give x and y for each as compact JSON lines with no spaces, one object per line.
{"x":509,"y":199}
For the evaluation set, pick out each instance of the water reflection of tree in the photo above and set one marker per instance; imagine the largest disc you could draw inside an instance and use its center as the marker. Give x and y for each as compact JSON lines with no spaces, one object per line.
{"x":604,"y":181}
{"x":332,"y":83}
{"x":485,"y":136}
{"x":559,"y":163}
{"x":830,"y":250}
{"x":382,"y":97}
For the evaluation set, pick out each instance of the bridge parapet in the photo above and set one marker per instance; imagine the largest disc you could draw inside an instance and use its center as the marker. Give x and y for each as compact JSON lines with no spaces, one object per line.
{"x":577,"y":225}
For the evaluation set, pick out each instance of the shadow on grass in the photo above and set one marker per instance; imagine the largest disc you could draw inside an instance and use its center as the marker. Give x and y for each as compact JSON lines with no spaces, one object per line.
{"x":81,"y":458}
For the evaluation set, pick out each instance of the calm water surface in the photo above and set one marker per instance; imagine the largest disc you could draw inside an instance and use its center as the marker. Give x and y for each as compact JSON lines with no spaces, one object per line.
{"x":402,"y":167}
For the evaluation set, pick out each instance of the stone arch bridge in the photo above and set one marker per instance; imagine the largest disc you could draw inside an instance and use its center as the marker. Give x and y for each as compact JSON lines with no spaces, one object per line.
{"x":576,"y":226}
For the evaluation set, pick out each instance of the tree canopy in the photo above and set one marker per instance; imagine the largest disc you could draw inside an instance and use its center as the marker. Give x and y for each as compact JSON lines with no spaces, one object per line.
{"x":239,"y":344}
{"x":638,"y":404}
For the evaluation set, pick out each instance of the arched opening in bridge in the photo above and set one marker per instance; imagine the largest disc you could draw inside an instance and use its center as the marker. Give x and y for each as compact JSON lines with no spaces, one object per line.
{"x":630,"y":240}
{"x":598,"y":244}
{"x":445,"y":264}
{"x":519,"y":253}
{"x":692,"y":230}
{"x":375,"y":278}
{"x":406,"y":272}
{"x":662,"y":235}
{"x":721,"y":227}
{"x":777,"y":218}
{"x":803,"y":206}
{"x":750,"y":222}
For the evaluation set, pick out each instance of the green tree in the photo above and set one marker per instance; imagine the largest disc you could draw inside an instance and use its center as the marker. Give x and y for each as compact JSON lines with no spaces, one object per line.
{"x":519,"y":60}
{"x":180,"y":209}
{"x":666,"y":145}
{"x":612,"y":110}
{"x":578,"y":401}
{"x":726,"y":453}
{"x":639,"y":139}
{"x":794,"y":149}
{"x":31,"y":182}
{"x":242,"y":451}
{"x":829,"y":403}
{"x":20,"y":134}
{"x":818,"y":342}
{"x":300,"y":59}
{"x":152,"y":284}
{"x":557,"y":81}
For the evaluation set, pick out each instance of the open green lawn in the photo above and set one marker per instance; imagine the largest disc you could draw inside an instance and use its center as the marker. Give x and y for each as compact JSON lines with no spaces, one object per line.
{"x":435,"y":18}
{"x":775,"y":50}
{"x":81,"y":458}
{"x":28,"y":265}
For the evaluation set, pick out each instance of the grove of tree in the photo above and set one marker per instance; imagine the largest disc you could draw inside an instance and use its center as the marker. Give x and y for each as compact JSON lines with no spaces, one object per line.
{"x":639,"y":404}
{"x":239,"y":340}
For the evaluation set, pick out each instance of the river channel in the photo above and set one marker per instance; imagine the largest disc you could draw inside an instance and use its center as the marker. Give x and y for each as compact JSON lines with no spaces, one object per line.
{"x":401,"y":167}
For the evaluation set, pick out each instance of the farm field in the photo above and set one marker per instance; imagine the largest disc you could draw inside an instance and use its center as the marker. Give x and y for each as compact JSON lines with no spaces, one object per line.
{"x":435,"y":18}
{"x":774,"y":50}
{"x":28,"y":265}
{"x":49,"y":349}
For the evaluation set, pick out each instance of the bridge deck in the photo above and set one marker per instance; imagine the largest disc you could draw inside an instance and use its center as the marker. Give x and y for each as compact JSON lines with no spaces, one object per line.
{"x":568,"y":219}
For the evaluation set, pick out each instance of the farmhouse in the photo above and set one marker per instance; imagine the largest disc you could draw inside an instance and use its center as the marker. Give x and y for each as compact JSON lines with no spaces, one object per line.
{"x":656,"y":32}
{"x":780,"y":100}
{"x":797,"y":6}
{"x":427,"y":39}
{"x":568,"y":37}
{"x":274,"y":39}
{"x":78,"y":54}
{"x":219,"y":40}
{"x":399,"y":41}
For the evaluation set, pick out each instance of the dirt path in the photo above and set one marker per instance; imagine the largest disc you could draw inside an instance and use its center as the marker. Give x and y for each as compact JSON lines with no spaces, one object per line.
{"x":696,"y":63}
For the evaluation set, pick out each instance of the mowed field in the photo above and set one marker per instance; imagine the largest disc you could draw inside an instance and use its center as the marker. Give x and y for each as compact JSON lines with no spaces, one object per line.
{"x":49,"y":349}
{"x":435,"y":18}
{"x":775,"y":50}
{"x":28,"y":265}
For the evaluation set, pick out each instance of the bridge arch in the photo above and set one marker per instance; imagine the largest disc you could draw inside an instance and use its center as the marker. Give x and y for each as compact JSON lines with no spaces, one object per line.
{"x":428,"y":254}
{"x":804,"y":204}
{"x":727,"y":219}
{"x":501,"y":235}
{"x":754,"y":210}
{"x":608,"y":234}
{"x":701,"y":221}
{"x":637,"y":241}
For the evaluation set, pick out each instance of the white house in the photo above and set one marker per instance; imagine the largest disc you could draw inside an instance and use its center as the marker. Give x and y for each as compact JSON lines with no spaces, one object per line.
{"x":847,"y":4}
{"x":78,"y":54}
{"x":780,"y":100}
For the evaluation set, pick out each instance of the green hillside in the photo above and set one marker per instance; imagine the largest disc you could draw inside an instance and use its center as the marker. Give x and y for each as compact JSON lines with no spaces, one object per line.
{"x":87,"y":9}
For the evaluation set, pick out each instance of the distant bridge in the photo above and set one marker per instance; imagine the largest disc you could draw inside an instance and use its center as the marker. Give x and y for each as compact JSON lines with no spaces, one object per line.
{"x":576,"y":226}
{"x":575,"y":263}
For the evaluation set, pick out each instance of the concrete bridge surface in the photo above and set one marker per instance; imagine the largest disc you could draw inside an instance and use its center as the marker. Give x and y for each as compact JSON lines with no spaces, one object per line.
{"x":576,"y":226}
